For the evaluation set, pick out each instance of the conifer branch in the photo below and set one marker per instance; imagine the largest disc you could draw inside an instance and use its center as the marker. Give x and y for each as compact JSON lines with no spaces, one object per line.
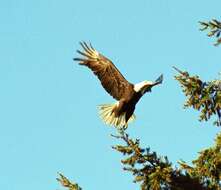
{"x":65,"y":182}
{"x":202,"y":96}
{"x":214,"y":27}
{"x":153,"y":172}
{"x":207,"y":167}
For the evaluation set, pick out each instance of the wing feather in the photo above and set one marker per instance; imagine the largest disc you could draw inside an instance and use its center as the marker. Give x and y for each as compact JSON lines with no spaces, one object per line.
{"x":111,"y":78}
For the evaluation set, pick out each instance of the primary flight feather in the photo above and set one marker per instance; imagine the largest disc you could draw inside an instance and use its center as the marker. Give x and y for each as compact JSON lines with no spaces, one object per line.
{"x":127,"y":94}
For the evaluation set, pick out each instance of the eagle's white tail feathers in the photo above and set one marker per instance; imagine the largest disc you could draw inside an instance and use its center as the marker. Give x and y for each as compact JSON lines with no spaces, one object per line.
{"x":107,"y":115}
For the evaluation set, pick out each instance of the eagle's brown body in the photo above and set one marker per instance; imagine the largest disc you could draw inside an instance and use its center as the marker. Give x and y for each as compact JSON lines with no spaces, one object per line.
{"x":126,"y":93}
{"x":127,"y":103}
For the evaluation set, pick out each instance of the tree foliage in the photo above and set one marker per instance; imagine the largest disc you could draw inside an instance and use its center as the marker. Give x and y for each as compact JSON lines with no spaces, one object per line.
{"x":214,"y":27}
{"x":152,"y":171}
{"x":207,"y":167}
{"x":65,"y":182}
{"x":202,"y":96}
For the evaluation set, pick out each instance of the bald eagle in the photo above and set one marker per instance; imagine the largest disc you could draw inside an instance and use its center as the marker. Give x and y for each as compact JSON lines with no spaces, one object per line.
{"x":127,"y":94}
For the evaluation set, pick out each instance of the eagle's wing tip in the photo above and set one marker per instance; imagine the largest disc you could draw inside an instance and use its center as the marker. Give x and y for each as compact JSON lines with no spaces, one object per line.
{"x":159,"y":79}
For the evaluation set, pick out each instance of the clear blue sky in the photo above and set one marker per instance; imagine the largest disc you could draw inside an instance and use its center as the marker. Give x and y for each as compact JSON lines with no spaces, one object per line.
{"x":49,"y":121}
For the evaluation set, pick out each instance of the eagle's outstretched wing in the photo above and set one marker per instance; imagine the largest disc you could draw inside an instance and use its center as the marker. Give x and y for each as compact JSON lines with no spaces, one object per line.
{"x":111,"y":78}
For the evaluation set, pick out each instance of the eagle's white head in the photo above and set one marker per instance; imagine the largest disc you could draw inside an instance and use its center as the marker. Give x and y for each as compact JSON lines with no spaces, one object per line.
{"x":143,"y":86}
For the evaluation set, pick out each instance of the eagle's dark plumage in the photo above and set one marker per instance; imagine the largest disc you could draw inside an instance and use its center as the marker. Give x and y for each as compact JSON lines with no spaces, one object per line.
{"x":116,"y":85}
{"x":111,"y":78}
